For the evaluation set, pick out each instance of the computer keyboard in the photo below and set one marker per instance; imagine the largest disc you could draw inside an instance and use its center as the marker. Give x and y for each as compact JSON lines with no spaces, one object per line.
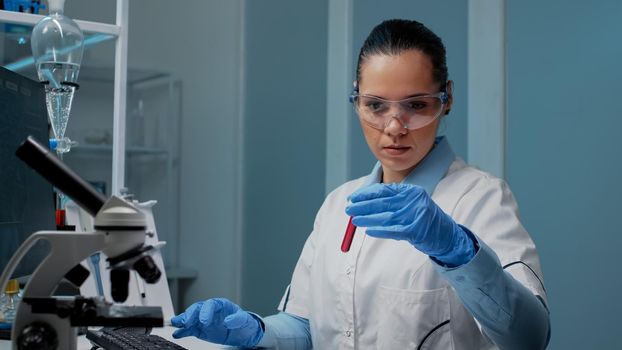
{"x":129,"y":339}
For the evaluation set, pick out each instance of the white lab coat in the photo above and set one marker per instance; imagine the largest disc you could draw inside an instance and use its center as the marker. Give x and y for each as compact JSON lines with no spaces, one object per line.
{"x":384,"y":294}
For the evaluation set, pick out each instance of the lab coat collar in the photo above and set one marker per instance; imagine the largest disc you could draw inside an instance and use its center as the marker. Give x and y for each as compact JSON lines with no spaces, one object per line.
{"x":428,"y":172}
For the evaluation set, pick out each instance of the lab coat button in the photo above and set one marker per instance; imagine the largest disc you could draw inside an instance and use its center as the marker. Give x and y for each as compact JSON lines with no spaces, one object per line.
{"x":348,"y":333}
{"x":348,"y":270}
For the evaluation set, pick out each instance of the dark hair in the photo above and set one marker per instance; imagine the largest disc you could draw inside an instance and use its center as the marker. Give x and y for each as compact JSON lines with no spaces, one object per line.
{"x":394,"y":36}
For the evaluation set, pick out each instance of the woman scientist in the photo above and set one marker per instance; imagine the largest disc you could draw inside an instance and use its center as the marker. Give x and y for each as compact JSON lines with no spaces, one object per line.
{"x":440,"y":259}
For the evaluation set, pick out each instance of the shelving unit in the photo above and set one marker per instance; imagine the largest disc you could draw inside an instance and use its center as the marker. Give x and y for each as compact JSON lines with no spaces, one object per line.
{"x":118,"y":33}
{"x":126,"y":156}
{"x":86,"y":26}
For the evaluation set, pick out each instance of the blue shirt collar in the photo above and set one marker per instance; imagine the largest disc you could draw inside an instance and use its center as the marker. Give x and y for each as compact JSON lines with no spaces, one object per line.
{"x":428,"y":172}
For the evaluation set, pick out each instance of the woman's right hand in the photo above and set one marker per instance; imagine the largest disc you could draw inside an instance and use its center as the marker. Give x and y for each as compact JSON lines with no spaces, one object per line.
{"x":219,"y":321}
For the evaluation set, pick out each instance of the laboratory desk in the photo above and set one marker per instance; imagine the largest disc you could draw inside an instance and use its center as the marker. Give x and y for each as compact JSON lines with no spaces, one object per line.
{"x":190,"y":343}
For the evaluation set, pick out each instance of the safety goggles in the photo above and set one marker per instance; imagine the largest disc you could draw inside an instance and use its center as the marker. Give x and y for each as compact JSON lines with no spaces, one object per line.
{"x":413,"y":112}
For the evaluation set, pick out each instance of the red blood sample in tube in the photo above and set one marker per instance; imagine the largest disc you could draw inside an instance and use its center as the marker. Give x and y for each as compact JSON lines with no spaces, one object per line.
{"x":348,"y":236}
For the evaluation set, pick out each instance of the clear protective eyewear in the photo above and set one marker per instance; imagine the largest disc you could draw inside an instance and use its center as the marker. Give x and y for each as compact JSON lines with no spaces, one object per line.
{"x":412,"y":113}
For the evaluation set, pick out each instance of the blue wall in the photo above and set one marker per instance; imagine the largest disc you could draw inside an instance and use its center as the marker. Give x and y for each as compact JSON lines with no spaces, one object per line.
{"x":448,"y":19}
{"x":285,"y":141}
{"x":563,"y":158}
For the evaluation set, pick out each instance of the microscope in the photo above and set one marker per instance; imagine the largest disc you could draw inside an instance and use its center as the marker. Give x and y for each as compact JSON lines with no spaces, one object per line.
{"x":44,"y":321}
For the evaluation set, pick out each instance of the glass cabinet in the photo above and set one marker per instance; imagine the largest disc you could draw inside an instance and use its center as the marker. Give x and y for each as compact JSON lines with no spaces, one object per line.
{"x":151,"y":147}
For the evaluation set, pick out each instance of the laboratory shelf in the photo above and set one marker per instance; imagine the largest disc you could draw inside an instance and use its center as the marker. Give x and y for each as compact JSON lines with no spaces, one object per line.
{"x":102,"y":32}
{"x":30,"y":19}
{"x":107,"y":150}
{"x":138,"y":77}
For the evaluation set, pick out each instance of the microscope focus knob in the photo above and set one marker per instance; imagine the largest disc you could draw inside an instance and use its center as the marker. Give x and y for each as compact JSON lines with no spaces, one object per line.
{"x":147,"y":269}
{"x":39,"y":336}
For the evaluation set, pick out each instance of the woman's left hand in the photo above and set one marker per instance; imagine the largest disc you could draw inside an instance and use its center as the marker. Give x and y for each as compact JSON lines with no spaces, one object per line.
{"x":406,"y":212}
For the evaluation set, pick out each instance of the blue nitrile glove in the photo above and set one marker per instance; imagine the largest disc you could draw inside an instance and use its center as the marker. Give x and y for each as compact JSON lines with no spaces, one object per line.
{"x":218,"y":321}
{"x":406,"y":212}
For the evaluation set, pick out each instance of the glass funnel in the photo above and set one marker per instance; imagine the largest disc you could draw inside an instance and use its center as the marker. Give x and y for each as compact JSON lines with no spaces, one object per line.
{"x":57,"y":45}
